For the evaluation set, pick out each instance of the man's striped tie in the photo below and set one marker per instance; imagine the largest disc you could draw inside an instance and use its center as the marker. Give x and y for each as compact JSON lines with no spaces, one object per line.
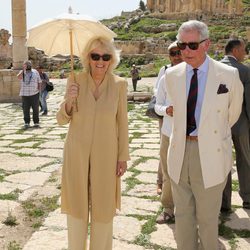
{"x":191,"y":103}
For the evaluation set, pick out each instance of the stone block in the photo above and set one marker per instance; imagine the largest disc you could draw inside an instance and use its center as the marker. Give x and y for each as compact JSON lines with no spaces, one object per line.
{"x":9,"y":86}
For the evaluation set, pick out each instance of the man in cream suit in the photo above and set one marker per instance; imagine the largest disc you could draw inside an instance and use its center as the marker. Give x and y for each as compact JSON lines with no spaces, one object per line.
{"x":206,"y":98}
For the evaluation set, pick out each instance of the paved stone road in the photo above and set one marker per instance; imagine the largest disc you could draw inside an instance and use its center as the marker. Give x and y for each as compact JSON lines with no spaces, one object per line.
{"x":30,"y":166}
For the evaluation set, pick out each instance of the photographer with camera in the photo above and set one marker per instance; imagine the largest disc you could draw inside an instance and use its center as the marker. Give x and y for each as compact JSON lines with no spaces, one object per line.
{"x":30,"y":87}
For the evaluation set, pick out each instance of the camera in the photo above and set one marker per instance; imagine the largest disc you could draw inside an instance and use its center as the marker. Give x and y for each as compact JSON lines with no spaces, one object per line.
{"x":28,"y":67}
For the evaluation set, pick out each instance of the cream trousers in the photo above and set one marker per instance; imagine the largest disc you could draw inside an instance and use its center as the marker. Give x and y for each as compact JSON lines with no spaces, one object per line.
{"x":197,"y":209}
{"x":100,"y":234}
{"x":166,"y":195}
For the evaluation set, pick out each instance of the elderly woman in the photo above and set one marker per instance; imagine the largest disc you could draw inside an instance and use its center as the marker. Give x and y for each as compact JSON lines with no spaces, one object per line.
{"x":96,"y":147}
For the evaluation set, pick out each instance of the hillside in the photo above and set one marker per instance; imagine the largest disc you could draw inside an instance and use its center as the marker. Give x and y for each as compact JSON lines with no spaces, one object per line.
{"x":220,"y":26}
{"x":139,"y":26}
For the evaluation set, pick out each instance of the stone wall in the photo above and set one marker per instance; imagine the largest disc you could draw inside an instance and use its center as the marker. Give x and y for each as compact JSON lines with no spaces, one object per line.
{"x":150,"y":45}
{"x":9,"y":86}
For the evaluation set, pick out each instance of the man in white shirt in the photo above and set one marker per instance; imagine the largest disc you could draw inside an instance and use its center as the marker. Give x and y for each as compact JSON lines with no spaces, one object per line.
{"x":30,"y":87}
{"x":160,"y":108}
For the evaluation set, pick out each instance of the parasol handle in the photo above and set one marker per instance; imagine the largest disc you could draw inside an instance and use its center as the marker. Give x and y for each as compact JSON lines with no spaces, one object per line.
{"x":71,"y":51}
{"x":75,"y":106}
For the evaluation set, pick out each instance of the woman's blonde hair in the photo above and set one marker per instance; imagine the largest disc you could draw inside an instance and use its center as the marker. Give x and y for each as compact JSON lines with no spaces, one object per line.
{"x":107,"y":45}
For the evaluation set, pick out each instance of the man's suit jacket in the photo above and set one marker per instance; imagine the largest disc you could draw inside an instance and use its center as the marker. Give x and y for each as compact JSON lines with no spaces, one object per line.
{"x":243,"y":124}
{"x":219,"y":112}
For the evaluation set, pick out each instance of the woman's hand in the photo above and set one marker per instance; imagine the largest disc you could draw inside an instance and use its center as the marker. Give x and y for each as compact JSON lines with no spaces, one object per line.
{"x":121,"y":168}
{"x":72,"y":91}
{"x":71,"y":95}
{"x":170,"y":111}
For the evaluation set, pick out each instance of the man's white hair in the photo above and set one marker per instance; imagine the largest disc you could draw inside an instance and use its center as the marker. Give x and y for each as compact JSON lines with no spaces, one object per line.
{"x":192,"y":25}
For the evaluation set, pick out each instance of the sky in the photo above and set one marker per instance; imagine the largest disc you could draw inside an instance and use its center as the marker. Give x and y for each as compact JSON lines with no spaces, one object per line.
{"x":40,"y":10}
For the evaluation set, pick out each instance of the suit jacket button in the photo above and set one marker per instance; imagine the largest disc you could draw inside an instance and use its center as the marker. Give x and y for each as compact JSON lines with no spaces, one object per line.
{"x":215,"y":131}
{"x":218,"y":150}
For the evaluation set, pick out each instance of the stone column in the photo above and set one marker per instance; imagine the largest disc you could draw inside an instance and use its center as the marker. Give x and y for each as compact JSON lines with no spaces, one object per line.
{"x":239,"y":6}
{"x":19,"y":31}
{"x":198,"y":5}
{"x":248,"y":33}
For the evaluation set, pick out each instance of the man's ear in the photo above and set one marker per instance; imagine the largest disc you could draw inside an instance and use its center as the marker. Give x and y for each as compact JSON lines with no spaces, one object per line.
{"x":207,"y":43}
{"x":235,"y":51}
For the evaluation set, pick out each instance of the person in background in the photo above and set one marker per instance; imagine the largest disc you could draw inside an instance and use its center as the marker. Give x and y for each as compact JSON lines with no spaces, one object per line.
{"x":205,"y":99}
{"x":96,"y":147}
{"x":43,"y":91}
{"x":134,"y":74}
{"x":235,"y":51}
{"x":175,"y":58}
{"x":160,"y":108}
{"x":30,"y":87}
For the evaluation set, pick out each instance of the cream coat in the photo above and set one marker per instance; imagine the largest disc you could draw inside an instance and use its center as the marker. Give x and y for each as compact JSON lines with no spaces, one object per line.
{"x":219,"y":113}
{"x":97,"y":138}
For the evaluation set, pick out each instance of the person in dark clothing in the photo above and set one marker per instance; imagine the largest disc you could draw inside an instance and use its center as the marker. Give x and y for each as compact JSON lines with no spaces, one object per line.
{"x":134,"y":74}
{"x":43,"y":91}
{"x":235,"y":51}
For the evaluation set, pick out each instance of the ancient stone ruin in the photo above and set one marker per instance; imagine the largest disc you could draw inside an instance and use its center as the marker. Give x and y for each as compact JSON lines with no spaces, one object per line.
{"x":5,"y":49}
{"x":230,"y":7}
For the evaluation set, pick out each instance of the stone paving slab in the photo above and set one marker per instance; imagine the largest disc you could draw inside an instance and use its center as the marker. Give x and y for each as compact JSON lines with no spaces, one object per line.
{"x":120,"y":245}
{"x":56,"y":153}
{"x":6,"y":206}
{"x":48,"y":137}
{"x":136,"y":145}
{"x":132,"y":160}
{"x":12,"y":162}
{"x":51,"y":168}
{"x":142,"y":131}
{"x":151,"y":135}
{"x":152,"y":140}
{"x":52,"y":144}
{"x":164,"y":236}
{"x":23,"y":144}
{"x":243,"y":243}
{"x":5,"y":143}
{"x":147,"y":177}
{"x":27,"y":151}
{"x":126,"y":228}
{"x":146,"y":153}
{"x":149,"y":165}
{"x":143,"y":190}
{"x":236,"y":200}
{"x":47,"y":239}
{"x":56,"y":221}
{"x":151,"y":146}
{"x":8,"y":187}
{"x":240,"y":219}
{"x":16,"y":137}
{"x":134,"y":205}
{"x":28,"y":193}
{"x":28,"y":178}
{"x":5,"y":149}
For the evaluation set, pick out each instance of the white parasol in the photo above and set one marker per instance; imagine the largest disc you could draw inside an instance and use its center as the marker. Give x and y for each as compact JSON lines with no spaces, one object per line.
{"x":66,"y":34}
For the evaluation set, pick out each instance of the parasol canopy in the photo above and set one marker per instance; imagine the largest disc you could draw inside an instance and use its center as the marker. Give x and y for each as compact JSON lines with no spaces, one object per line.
{"x":66,"y":34}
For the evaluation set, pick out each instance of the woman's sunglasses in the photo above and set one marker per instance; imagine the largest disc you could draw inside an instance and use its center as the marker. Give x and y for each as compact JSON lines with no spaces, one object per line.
{"x":175,"y":53}
{"x":192,"y":45}
{"x":97,"y":57}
